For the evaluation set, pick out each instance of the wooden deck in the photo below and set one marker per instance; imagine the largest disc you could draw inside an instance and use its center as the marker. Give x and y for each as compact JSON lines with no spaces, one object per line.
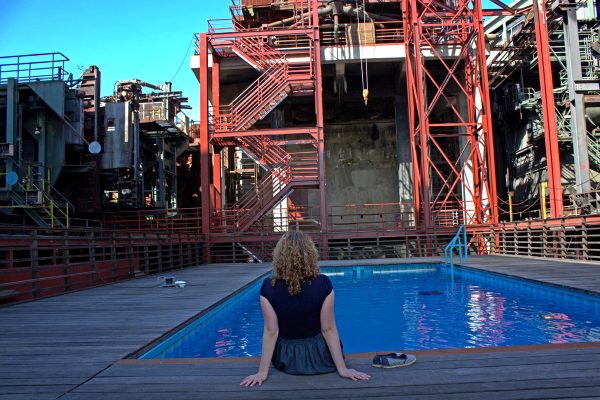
{"x":72,"y":347}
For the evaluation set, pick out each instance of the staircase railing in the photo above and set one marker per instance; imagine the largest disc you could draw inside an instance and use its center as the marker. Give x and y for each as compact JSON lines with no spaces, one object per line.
{"x":593,"y":147}
{"x":260,"y":149}
{"x":259,"y":95}
{"x":459,"y":242}
{"x":51,"y":197}
{"x":279,"y":78}
{"x":265,"y":93}
{"x":295,"y":169}
{"x":266,"y":152}
{"x":252,"y":204}
{"x":48,"y":204}
{"x":260,"y":52}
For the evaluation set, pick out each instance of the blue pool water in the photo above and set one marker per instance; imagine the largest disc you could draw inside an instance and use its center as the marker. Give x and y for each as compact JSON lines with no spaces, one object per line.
{"x":417,"y":306}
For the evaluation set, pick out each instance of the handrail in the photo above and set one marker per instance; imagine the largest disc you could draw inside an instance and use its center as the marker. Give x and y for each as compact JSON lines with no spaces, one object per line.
{"x":46,"y":191}
{"x":52,"y":206}
{"x":33,"y":67}
{"x":53,"y":189}
{"x":461,"y":245}
{"x":264,"y":89}
{"x":254,"y":102}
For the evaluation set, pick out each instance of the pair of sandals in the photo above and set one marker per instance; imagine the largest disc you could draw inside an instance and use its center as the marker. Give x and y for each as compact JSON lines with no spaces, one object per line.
{"x":393,"y":360}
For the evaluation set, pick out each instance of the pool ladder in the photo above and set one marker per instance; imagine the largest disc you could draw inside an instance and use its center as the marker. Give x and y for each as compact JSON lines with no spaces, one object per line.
{"x":459,"y":241}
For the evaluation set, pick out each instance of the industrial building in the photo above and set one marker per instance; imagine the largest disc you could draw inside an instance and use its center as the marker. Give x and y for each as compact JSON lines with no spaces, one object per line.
{"x":378,"y":126}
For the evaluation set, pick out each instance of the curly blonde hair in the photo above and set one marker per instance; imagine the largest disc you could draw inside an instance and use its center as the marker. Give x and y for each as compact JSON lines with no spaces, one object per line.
{"x":294,"y":261}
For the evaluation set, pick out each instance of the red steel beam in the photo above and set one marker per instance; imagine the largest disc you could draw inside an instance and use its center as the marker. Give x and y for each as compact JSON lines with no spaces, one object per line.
{"x":204,"y":138}
{"x":504,"y":6}
{"x":440,"y":180}
{"x":486,"y":116}
{"x":216,"y":158}
{"x":409,"y":68}
{"x":255,"y":33}
{"x":549,"y":115}
{"x":318,"y":77}
{"x":312,"y":131}
{"x":416,"y":85}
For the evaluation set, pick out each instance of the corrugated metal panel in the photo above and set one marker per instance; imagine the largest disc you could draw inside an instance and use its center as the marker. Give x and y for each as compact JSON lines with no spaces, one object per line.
{"x":363,"y":33}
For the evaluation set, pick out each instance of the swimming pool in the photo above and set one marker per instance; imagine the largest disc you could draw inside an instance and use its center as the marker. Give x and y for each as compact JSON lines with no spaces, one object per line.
{"x":414,"y":306}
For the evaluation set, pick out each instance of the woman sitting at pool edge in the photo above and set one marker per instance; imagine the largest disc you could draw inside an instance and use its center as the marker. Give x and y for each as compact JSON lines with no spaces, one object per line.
{"x":300,"y":335}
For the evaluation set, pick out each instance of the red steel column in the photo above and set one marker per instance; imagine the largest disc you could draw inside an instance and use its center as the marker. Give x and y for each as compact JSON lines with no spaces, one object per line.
{"x":320,"y":133}
{"x":547,"y":89}
{"x":216,"y":159}
{"x":408,"y":34}
{"x":204,"y":145}
{"x":421,"y":105}
{"x":486,"y":117}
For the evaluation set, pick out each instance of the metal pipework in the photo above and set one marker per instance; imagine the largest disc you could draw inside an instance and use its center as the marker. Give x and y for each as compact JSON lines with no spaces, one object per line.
{"x":592,"y":114}
{"x":335,"y":8}
{"x":135,"y":85}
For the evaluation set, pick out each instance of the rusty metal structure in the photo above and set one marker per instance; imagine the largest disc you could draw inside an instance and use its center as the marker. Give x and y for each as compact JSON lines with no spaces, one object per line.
{"x":444,"y":118}
{"x":378,"y":126}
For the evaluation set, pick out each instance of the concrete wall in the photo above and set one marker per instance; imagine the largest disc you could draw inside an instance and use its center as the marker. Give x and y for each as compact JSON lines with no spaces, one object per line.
{"x":361,"y":163}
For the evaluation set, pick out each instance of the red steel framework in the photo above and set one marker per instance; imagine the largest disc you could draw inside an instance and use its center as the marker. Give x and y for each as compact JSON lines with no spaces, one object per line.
{"x":452,"y":159}
{"x":548,"y":111}
{"x":449,"y":37}
{"x":295,"y":71}
{"x":533,"y":36}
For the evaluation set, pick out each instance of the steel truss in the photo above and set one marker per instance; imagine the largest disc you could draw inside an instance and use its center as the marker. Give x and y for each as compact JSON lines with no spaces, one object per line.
{"x":453,"y":157}
{"x":232,"y":125}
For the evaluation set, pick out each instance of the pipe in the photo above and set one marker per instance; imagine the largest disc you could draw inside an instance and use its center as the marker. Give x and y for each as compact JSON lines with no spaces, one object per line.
{"x":593,"y":115}
{"x":347,"y":10}
{"x":337,"y":8}
{"x":283,"y":22}
{"x":150,"y":85}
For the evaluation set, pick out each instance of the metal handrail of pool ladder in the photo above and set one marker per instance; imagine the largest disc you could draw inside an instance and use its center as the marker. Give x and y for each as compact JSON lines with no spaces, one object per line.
{"x":461,"y":245}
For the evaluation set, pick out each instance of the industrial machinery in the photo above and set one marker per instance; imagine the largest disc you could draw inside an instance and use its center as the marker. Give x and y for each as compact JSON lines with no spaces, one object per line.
{"x":66,"y":154}
{"x":144,"y":137}
{"x":546,"y":113}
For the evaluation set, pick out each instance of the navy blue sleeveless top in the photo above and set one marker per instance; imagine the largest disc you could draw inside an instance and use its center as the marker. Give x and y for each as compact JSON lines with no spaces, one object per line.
{"x":298,"y":316}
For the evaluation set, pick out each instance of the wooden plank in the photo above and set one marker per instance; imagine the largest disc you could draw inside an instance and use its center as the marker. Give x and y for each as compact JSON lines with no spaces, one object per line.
{"x":33,"y":389}
{"x":502,"y":376}
{"x":66,"y":340}
{"x":29,"y":396}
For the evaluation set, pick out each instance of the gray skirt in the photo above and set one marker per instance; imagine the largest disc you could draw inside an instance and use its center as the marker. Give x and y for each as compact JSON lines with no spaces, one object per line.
{"x":309,"y":356}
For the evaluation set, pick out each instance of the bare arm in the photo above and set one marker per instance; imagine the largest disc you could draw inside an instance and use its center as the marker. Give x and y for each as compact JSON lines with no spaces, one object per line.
{"x":270,"y":334}
{"x":332,"y":337}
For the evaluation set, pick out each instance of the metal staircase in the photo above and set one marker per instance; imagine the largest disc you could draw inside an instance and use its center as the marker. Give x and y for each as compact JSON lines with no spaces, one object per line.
{"x":39,"y":200}
{"x":280,"y":77}
{"x":284,"y":172}
{"x":260,"y":149}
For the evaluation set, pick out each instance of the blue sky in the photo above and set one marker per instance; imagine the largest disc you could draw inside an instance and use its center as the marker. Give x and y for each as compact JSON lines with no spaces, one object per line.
{"x":126,"y":39}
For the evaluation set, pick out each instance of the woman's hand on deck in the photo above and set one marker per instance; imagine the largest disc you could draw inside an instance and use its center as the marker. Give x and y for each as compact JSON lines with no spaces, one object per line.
{"x":354,"y":374}
{"x":256,"y":379}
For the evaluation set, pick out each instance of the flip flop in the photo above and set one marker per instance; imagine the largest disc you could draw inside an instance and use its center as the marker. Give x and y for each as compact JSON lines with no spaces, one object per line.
{"x":393,"y":360}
